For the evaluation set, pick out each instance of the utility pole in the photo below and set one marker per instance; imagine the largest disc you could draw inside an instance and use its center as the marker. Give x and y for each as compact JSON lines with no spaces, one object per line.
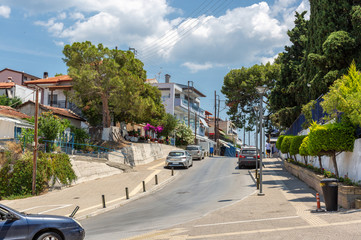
{"x":215,"y":119}
{"x":244,"y":135}
{"x":35,"y":140}
{"x":219,"y":104}
{"x":195,"y":128}
{"x":188,"y":100}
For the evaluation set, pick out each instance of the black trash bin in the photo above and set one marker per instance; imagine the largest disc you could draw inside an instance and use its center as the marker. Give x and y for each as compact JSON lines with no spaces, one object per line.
{"x":330,"y":193}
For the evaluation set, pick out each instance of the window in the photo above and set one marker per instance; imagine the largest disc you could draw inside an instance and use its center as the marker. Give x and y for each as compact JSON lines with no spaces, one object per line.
{"x":177,"y":95}
{"x":55,"y":99}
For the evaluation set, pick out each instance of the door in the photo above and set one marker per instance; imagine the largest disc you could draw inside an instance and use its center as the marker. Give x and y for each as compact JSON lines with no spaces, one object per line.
{"x":16,"y":229}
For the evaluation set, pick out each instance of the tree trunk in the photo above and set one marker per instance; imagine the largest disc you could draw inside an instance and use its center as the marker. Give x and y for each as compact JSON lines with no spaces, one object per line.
{"x":320,"y":161}
{"x":106,"y":113}
{"x":333,"y":157}
{"x":305,"y":159}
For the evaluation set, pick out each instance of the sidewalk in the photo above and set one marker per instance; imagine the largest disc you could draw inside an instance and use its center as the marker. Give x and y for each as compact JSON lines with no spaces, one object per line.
{"x":88,"y":195}
{"x":284,"y":212}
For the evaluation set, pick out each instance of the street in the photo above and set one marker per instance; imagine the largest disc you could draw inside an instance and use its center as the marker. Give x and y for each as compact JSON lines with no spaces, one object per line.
{"x":210,"y":184}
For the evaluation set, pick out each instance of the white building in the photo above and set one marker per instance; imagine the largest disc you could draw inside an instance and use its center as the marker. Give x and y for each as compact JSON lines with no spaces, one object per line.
{"x":178,"y":100}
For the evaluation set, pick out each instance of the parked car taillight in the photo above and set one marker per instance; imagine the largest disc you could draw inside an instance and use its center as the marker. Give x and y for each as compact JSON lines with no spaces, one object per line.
{"x":241,"y":156}
{"x":257,"y":156}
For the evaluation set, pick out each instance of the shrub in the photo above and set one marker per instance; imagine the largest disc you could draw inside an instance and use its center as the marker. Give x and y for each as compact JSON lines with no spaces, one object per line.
{"x":286,"y":143}
{"x":330,"y":139}
{"x":295,"y":144}
{"x":16,"y":175}
{"x":303,"y":151}
{"x":279,"y":141}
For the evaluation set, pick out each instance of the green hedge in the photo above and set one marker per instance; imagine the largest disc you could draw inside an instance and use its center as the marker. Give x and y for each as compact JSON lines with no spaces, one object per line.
{"x":303,"y":151}
{"x":279,"y":141}
{"x":295,"y":144}
{"x":16,"y":175}
{"x":329,"y":138}
{"x":286,"y":143}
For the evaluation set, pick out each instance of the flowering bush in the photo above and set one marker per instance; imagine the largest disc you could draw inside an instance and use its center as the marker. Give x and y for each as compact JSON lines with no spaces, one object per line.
{"x":149,"y":127}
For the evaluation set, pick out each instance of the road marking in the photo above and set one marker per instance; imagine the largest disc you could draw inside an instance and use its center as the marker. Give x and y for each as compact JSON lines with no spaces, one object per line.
{"x":272,"y":230}
{"x":148,"y":179}
{"x":52,"y":209}
{"x":158,"y":165}
{"x":132,"y":193}
{"x":246,"y":221}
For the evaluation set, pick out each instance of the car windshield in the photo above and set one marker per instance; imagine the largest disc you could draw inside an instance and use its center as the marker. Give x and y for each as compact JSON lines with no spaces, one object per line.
{"x":192,"y":148}
{"x":176,"y":154}
{"x":250,"y":151}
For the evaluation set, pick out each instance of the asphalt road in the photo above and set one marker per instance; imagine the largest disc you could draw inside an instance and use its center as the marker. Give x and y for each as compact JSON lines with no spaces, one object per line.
{"x":209,"y":185}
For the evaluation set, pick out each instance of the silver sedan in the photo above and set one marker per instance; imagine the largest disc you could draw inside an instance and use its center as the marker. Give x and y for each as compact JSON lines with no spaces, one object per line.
{"x":179,"y":158}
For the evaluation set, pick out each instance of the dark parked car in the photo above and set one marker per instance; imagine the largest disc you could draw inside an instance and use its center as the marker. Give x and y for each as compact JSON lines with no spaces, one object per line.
{"x":248,"y":157}
{"x":16,"y":225}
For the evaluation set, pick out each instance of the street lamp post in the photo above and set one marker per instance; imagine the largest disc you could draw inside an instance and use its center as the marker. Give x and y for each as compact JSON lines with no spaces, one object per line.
{"x":255,"y":108}
{"x":261,"y":90}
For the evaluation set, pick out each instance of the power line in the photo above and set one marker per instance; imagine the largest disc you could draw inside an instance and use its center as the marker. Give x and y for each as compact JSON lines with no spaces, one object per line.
{"x":185,"y":32}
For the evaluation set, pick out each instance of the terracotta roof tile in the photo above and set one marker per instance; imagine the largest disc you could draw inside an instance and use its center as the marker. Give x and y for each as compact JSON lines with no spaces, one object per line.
{"x":11,"y":112}
{"x":7,"y":85}
{"x":54,"y":80}
{"x":62,"y":111}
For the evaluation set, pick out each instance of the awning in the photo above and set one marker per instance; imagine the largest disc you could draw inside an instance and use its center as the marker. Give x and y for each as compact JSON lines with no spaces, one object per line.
{"x":224,"y":143}
{"x":18,"y":122}
{"x":205,"y":139}
{"x":204,"y":122}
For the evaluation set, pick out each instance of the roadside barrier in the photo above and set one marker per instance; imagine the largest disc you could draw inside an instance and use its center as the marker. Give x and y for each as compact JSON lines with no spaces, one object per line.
{"x":126,"y":193}
{"x":103,"y":199}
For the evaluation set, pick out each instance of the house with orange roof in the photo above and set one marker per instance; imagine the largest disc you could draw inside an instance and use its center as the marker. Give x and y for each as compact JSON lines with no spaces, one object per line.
{"x":12,"y":123}
{"x":28,"y":108}
{"x":11,"y":90}
{"x":52,"y":89}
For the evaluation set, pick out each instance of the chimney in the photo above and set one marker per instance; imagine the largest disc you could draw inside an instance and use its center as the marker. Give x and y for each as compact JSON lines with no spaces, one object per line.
{"x":167,"y":78}
{"x":10,"y":79}
{"x":45,"y":75}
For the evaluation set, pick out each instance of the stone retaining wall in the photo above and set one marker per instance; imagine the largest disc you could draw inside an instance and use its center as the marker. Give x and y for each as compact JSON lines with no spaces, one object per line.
{"x":347,"y":195}
{"x":141,"y":153}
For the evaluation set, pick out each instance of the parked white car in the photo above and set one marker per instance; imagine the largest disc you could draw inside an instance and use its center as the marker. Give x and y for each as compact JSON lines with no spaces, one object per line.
{"x":196,"y":151}
{"x":179,"y":158}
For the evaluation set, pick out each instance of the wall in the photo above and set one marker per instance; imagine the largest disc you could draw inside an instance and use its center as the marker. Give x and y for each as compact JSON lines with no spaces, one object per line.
{"x":347,"y":162}
{"x":142,"y":153}
{"x":26,"y":94}
{"x":16,"y":77}
{"x":6,"y":129}
{"x":347,"y":195}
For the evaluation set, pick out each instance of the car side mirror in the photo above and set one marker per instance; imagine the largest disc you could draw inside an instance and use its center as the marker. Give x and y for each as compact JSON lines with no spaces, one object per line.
{"x":11,"y":217}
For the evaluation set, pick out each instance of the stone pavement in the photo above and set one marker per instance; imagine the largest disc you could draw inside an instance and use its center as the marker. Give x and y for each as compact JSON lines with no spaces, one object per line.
{"x":284,"y":212}
{"x":88,"y":195}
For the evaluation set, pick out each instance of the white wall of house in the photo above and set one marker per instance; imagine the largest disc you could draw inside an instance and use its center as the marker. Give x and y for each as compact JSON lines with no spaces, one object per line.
{"x":60,"y":96}
{"x":6,"y":129}
{"x":26,"y":94}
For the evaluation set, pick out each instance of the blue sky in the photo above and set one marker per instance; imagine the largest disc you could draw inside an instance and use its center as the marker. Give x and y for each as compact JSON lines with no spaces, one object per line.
{"x":192,"y":40}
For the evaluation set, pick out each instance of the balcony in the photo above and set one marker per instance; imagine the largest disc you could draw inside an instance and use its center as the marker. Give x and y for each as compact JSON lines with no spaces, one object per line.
{"x":180,"y":102}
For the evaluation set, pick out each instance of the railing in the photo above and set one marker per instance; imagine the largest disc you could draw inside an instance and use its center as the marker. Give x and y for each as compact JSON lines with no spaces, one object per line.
{"x":317,"y":116}
{"x":193,"y":107}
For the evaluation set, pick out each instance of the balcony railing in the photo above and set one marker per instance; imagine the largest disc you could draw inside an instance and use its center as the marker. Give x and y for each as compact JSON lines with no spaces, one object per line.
{"x":192,"y":107}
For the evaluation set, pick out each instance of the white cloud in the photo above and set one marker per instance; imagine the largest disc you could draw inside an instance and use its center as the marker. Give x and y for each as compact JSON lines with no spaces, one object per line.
{"x":241,"y":36}
{"x":59,"y":43}
{"x":194,"y":67}
{"x":55,"y":28}
{"x":5,"y":11}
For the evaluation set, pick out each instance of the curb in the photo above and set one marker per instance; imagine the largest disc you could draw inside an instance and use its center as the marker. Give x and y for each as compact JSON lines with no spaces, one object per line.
{"x":126,"y":201}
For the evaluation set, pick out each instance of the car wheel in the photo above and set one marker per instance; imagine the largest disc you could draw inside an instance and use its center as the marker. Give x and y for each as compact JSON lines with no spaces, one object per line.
{"x":49,"y":236}
{"x":240,"y":166}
